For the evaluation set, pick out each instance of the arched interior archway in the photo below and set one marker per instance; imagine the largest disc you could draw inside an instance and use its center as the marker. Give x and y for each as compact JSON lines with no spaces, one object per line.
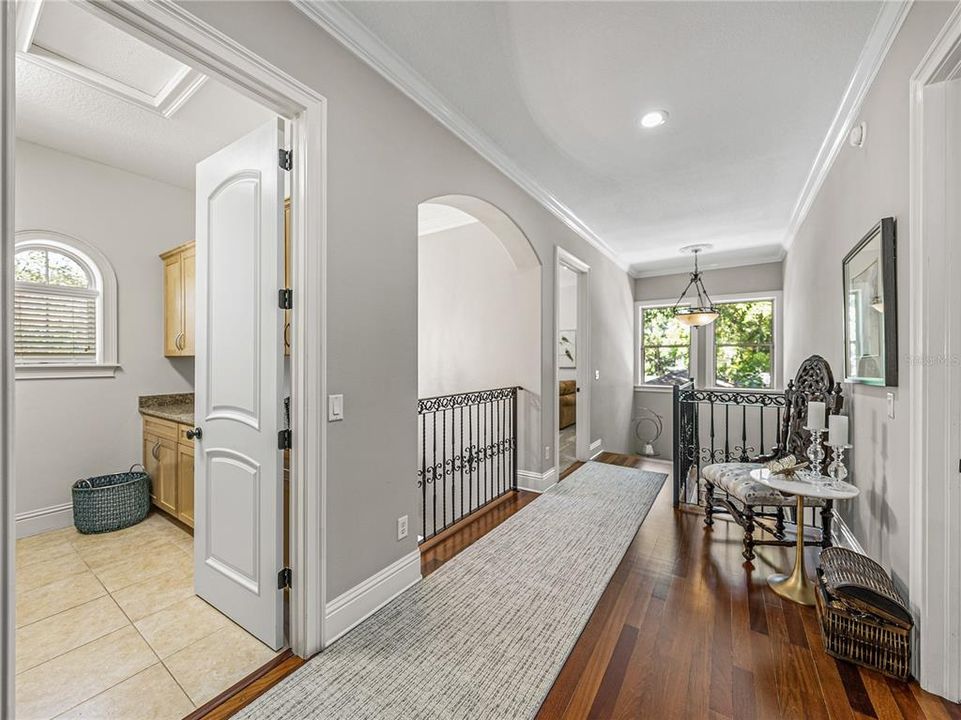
{"x":479,"y":328}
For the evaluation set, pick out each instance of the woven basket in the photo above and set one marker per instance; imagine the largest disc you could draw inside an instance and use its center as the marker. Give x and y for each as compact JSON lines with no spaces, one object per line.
{"x":862,"y":617}
{"x":111,"y":502}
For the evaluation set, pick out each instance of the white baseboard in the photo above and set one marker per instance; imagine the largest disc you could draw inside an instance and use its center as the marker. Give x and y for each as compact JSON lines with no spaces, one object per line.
{"x":536,"y":482}
{"x":843,"y":537}
{"x":364,"y":599}
{"x":55,"y":517}
{"x":597,"y":447}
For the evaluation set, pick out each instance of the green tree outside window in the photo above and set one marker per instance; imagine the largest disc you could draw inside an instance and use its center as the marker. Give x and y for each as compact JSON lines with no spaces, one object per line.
{"x":666,"y":345}
{"x":744,"y":344}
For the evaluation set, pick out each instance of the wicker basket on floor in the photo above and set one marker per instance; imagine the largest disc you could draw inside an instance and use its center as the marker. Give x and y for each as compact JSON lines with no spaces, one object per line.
{"x":111,"y":502}
{"x":862,"y":617}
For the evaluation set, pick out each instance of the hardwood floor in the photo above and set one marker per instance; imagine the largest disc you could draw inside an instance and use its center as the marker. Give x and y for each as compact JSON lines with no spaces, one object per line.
{"x":685,"y":630}
{"x":472,"y":531}
{"x":248,"y":689}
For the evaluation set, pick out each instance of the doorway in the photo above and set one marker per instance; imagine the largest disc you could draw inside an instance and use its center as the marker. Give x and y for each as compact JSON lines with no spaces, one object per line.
{"x":479,"y":359}
{"x":935,"y":375}
{"x":572,"y":371}
{"x":188,"y":41}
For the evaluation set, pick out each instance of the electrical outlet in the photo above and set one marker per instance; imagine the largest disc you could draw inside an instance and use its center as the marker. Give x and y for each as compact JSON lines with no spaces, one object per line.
{"x":547,"y":452}
{"x":597,"y":374}
{"x":401,"y":527}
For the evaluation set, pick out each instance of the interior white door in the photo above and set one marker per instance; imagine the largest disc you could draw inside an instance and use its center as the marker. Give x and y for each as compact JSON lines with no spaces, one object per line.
{"x":238,"y":547}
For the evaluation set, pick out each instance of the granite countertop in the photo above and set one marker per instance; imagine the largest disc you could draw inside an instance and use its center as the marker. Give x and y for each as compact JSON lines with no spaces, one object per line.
{"x":178,"y":408}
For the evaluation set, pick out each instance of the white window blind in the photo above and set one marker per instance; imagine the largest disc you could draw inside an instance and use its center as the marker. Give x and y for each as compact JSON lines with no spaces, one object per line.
{"x":53,"y":324}
{"x":55,"y":308}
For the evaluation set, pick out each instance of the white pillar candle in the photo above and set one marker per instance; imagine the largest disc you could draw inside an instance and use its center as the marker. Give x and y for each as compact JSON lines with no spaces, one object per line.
{"x":816,"y":415}
{"x":838,"y":430}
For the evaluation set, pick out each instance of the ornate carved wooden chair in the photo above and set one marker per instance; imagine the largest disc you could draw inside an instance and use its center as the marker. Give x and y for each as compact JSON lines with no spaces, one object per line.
{"x":729,"y":488}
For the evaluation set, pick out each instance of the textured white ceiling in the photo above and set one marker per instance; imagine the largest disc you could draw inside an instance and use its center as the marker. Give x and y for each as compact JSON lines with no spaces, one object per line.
{"x":61,"y":112}
{"x":559,"y":87}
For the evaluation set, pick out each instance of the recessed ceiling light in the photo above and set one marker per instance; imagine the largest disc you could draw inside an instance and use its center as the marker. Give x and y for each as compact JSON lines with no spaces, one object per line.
{"x":654,"y":118}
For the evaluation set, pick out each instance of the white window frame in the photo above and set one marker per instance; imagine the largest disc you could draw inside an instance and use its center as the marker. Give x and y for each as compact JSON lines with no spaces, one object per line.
{"x":639,"y":307}
{"x":105,"y":281}
{"x":705,"y":376}
{"x":710,"y":371}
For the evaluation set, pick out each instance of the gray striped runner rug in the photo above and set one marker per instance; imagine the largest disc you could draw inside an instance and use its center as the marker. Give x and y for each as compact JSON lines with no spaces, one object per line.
{"x":487,"y":633}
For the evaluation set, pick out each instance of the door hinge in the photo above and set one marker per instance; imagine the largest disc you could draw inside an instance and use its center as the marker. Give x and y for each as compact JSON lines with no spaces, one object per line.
{"x":285,"y":159}
{"x":285,"y":298}
{"x":283,"y":440}
{"x":283,"y":579}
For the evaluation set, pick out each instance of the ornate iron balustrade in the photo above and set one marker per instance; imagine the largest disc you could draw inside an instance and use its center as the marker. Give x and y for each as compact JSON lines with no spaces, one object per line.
{"x":712,"y":426}
{"x":468,"y":454}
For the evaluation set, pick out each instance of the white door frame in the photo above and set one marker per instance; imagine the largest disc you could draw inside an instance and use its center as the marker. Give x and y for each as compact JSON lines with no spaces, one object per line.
{"x":8,"y":24}
{"x":172,"y":29}
{"x":582,"y":350}
{"x":935,"y":376}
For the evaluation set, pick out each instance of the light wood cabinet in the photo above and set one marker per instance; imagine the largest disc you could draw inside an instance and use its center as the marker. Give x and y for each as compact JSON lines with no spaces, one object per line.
{"x":179,"y":291}
{"x":180,"y":282}
{"x":168,"y":457}
{"x":160,"y":460}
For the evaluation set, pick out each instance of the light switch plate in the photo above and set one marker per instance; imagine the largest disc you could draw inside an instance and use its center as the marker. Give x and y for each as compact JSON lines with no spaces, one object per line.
{"x":335,"y":408}
{"x":891,"y":405}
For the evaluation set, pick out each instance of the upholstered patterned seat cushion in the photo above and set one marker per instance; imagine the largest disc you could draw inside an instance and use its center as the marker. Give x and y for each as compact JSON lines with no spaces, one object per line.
{"x":734,"y":478}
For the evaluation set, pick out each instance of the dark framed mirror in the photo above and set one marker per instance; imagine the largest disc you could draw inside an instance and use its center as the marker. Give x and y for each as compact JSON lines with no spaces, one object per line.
{"x":871,"y":308}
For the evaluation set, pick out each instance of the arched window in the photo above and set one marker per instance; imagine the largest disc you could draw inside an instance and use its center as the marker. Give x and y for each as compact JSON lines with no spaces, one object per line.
{"x":64,"y":310}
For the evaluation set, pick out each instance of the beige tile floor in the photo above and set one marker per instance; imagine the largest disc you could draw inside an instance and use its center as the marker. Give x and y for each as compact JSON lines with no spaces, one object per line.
{"x":108,"y":627}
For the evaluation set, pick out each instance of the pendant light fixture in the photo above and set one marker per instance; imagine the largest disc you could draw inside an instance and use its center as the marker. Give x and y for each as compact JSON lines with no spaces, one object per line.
{"x":704,"y":313}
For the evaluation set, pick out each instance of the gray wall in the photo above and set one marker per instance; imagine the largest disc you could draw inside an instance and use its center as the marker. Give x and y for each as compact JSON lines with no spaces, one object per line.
{"x":863,"y":186}
{"x":479,"y":324}
{"x":67,"y":429}
{"x":726,"y":281}
{"x":479,"y":315}
{"x":386,"y":155}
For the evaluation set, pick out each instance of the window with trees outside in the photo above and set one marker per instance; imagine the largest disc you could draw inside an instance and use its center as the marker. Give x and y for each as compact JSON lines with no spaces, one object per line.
{"x":744,"y":344}
{"x":738,"y":349}
{"x":665,"y":347}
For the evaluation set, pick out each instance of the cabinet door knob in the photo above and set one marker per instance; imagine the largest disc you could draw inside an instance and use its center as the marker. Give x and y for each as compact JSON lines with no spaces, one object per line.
{"x":195,"y":434}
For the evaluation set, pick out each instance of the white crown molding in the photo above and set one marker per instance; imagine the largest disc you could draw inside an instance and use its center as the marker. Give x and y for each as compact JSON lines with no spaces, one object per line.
{"x":882,"y":35}
{"x":334,"y":18}
{"x":171,"y":97}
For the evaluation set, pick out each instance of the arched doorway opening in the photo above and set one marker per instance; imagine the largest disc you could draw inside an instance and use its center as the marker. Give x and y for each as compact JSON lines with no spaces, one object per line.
{"x":479,"y":357}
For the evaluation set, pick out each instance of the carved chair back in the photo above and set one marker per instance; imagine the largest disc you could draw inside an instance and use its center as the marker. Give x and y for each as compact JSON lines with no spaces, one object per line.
{"x":814,"y":382}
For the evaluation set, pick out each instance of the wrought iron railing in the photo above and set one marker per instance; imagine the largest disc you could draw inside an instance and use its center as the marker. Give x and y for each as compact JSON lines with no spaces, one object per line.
{"x":712,"y":426}
{"x":468,"y":454}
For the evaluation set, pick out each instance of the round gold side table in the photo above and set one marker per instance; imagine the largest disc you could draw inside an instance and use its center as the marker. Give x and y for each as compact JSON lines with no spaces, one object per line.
{"x":797,"y":587}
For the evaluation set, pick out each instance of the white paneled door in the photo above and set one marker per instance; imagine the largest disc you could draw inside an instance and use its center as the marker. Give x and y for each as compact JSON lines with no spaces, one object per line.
{"x":238,"y":548}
